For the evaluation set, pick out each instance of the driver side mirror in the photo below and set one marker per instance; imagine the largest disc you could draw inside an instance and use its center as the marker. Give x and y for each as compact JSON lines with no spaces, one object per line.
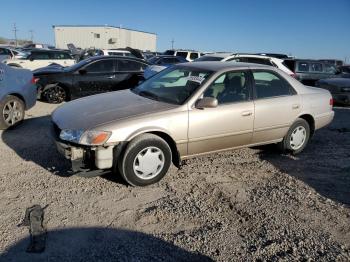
{"x":206,"y":102}
{"x":82,"y":71}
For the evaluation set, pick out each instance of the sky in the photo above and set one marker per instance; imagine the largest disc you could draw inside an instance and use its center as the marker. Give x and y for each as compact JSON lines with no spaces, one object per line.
{"x":303,"y":28}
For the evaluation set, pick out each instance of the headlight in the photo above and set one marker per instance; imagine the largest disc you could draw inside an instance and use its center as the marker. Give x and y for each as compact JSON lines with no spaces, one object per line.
{"x":85,"y":138}
{"x":94,"y":137}
{"x":71,"y":135}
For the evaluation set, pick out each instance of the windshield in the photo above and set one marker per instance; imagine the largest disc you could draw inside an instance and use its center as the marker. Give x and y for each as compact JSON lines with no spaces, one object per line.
{"x":208,"y":58}
{"x":173,"y":85}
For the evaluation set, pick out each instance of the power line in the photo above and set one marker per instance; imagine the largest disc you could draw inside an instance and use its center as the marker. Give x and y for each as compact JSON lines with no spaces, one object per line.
{"x":31,"y":35}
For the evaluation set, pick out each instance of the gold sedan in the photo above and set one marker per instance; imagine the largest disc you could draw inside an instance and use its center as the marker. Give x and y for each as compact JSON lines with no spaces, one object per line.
{"x":184,"y":111}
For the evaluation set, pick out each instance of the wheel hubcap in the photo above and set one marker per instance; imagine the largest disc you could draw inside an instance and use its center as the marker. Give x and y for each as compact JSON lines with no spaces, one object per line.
{"x":298,"y":137}
{"x":12,"y":112}
{"x":56,"y":94}
{"x":148,"y":163}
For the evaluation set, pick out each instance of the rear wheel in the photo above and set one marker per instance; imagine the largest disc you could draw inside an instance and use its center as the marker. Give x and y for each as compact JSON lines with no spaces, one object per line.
{"x":146,"y":160}
{"x":297,"y":137}
{"x":55,"y":94}
{"x":12,"y":112}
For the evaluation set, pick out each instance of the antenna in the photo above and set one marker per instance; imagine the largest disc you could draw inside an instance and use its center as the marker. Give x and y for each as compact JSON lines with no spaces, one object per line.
{"x":15,"y":30}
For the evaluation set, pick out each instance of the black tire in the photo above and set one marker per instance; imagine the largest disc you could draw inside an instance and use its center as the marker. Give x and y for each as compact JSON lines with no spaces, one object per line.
{"x":55,"y":94}
{"x":10,"y":118}
{"x":287,"y":145}
{"x":135,"y":148}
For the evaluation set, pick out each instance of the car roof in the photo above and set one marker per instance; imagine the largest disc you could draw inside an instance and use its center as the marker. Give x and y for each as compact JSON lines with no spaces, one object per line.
{"x":223,"y":55}
{"x":218,"y":66}
{"x":93,"y":58}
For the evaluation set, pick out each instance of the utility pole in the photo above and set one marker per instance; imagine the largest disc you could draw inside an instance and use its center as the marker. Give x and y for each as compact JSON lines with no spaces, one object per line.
{"x":15,"y":30}
{"x":172,"y":43}
{"x":31,"y":32}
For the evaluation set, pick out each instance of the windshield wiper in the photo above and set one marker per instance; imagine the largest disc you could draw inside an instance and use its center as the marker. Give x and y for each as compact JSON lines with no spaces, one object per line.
{"x":149,"y":95}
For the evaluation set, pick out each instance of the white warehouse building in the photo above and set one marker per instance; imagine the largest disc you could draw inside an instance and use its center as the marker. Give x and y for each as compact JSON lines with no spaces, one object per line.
{"x":103,"y":37}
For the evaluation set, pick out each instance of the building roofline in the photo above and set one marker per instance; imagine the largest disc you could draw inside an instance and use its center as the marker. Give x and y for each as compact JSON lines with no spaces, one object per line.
{"x":53,"y":26}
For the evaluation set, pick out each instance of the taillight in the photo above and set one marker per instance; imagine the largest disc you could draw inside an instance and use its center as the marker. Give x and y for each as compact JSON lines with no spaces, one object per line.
{"x":331,"y":102}
{"x":34,"y":80}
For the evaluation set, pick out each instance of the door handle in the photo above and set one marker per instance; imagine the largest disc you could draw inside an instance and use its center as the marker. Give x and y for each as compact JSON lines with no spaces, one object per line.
{"x":247,"y":113}
{"x":110,"y":77}
{"x":295,"y":106}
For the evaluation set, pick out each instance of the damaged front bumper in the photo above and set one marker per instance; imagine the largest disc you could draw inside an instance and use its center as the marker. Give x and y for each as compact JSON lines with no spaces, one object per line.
{"x":87,"y":161}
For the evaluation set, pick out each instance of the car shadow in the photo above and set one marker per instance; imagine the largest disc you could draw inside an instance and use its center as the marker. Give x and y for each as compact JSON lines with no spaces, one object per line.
{"x":100,"y":244}
{"x":32,"y":141}
{"x":324,"y":164}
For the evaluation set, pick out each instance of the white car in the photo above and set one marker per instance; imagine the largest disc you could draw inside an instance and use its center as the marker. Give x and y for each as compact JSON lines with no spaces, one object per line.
{"x":246,"y":58}
{"x":117,"y":52}
{"x":42,"y":58}
{"x":189,"y":55}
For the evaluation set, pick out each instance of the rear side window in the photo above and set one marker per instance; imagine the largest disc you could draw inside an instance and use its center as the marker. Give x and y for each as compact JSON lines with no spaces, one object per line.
{"x":193,"y":56}
{"x":303,"y":67}
{"x":129,"y":65}
{"x":169,"y":52}
{"x":182,"y":54}
{"x":330,"y":68}
{"x":268,"y":84}
{"x":102,"y":66}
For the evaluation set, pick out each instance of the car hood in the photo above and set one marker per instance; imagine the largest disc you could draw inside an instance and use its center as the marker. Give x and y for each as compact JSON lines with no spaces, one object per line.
{"x":52,"y":69}
{"x":93,"y":111}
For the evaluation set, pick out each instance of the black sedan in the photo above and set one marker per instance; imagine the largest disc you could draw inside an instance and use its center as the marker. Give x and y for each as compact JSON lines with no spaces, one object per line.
{"x":339,"y":88}
{"x":88,"y":77}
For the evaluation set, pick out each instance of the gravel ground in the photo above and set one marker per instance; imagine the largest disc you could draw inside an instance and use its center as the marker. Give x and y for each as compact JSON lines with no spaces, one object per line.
{"x":243,"y":205}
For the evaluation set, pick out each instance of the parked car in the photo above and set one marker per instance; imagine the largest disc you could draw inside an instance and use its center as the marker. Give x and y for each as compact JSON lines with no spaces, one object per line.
{"x":309,"y":71}
{"x":159,"y":63}
{"x":17,"y":94}
{"x":189,"y":55}
{"x":339,"y":88}
{"x":280,"y":56}
{"x":41,"y":58}
{"x":10,"y":53}
{"x":247,"y":58}
{"x":187,"y":110}
{"x":88,"y":77}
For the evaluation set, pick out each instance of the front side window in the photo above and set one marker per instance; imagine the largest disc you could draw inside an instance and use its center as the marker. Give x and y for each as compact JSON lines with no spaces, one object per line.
{"x":316,"y":67}
{"x":193,"y":56}
{"x":60,"y":56}
{"x":103,"y":66}
{"x":230,"y":87}
{"x":268,"y":84}
{"x":173,"y":85}
{"x":329,"y":68}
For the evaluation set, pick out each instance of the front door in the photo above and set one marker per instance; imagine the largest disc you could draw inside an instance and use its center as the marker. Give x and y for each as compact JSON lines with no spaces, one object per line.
{"x":95,"y":78}
{"x":228,"y":125}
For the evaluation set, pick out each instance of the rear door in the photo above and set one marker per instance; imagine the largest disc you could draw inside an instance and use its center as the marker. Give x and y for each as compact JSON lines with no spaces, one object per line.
{"x":277,"y":105}
{"x":96,"y":77}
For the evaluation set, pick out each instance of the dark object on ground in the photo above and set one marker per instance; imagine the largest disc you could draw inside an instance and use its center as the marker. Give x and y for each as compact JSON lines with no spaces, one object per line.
{"x":33,"y":218}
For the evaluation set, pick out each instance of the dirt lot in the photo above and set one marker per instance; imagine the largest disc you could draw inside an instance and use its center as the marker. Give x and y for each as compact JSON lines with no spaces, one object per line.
{"x":250,"y":204}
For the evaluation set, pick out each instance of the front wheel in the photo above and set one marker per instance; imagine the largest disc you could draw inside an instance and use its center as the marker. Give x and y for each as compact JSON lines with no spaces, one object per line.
{"x":297,"y":137}
{"x":146,"y":160}
{"x":12,"y":112}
